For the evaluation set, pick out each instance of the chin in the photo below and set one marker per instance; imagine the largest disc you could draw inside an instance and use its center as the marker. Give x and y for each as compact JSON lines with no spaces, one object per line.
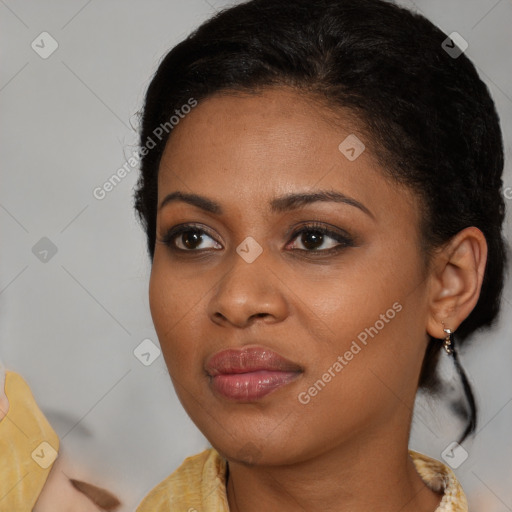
{"x":257,"y":451}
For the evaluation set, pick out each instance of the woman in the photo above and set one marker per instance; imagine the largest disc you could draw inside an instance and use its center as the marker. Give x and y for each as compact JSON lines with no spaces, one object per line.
{"x":322,"y":222}
{"x":321,"y":191}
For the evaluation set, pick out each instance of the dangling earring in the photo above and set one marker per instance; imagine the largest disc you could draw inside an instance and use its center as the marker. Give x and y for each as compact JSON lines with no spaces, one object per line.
{"x":448,"y":341}
{"x":449,"y":346}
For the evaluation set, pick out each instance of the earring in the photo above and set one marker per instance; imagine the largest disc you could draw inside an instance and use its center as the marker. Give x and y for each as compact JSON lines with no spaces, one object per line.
{"x":448,"y":341}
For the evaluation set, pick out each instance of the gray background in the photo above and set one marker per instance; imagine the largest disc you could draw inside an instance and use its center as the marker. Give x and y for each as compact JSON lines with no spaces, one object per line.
{"x":70,"y":325}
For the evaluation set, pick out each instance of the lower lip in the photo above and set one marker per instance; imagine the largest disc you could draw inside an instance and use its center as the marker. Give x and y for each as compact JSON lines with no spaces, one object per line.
{"x":252,"y":385}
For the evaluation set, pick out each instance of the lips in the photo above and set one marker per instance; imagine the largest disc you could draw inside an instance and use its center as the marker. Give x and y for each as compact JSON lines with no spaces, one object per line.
{"x":248,"y":359}
{"x":249,"y":373}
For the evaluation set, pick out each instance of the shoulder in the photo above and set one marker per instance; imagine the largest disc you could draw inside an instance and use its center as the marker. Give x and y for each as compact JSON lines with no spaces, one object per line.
{"x":197,"y":485}
{"x":24,"y":422}
{"x":28,"y":444}
{"x":442,"y":479}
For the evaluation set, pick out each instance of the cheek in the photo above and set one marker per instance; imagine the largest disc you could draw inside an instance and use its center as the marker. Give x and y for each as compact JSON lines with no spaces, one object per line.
{"x":161,"y":299}
{"x":169,"y":305}
{"x":353,"y":295}
{"x":177,"y":304}
{"x":172,"y":294}
{"x":369,"y":312}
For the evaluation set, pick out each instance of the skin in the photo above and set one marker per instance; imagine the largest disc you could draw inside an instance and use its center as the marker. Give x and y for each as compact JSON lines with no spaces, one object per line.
{"x":345,"y":450}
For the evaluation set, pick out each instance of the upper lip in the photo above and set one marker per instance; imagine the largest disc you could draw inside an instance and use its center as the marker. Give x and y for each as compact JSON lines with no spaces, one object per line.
{"x":248,"y":359}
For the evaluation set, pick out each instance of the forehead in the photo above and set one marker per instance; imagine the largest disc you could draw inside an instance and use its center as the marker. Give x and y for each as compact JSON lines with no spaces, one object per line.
{"x":276,"y":124}
{"x":249,"y":148}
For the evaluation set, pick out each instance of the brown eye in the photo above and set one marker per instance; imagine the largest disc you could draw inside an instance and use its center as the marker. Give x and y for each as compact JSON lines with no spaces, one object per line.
{"x":191,"y":239}
{"x":188,"y":238}
{"x":314,"y":238}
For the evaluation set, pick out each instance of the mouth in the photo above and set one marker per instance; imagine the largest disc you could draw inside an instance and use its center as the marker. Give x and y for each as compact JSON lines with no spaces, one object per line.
{"x":250,"y":373}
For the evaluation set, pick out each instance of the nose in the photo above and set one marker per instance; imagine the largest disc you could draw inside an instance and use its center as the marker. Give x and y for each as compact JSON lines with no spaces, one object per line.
{"x":246,"y":292}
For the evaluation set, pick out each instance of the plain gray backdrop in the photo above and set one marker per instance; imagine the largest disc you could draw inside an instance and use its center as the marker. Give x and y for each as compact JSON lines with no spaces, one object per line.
{"x":74,"y":270}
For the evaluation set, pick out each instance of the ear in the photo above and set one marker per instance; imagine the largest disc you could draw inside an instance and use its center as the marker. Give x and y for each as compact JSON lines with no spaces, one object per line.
{"x":456,"y":280}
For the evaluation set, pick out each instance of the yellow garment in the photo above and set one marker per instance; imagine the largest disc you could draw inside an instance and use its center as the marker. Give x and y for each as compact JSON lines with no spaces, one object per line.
{"x":199,"y":485}
{"x":28,"y":448}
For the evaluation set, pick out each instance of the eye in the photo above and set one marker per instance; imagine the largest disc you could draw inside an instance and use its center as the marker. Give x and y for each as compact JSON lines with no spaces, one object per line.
{"x":314,"y":237}
{"x":188,"y":237}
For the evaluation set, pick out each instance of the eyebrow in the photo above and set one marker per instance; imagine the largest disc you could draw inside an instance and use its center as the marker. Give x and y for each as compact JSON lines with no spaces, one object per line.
{"x":278,"y":205}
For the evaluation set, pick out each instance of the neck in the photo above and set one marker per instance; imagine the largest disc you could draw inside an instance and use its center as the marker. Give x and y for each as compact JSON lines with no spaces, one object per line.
{"x":373,"y":472}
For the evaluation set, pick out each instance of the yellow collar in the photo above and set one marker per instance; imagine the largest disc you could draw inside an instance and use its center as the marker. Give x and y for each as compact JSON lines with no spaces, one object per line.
{"x":199,"y":485}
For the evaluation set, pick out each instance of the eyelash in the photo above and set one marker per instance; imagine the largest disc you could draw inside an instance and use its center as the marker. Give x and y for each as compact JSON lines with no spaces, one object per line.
{"x":343,"y":239}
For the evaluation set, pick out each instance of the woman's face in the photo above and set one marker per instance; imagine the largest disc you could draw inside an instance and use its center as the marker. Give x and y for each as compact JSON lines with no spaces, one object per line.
{"x":348,"y":309}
